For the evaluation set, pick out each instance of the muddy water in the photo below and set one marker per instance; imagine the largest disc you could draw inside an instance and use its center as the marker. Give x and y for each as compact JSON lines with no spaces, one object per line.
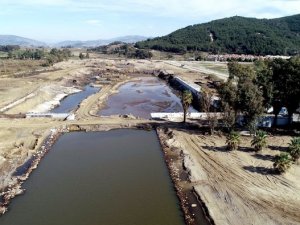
{"x":142,"y":97}
{"x":72,"y":101}
{"x":104,"y":178}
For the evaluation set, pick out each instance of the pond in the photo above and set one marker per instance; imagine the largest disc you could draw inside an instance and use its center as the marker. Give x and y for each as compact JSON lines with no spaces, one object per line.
{"x":117,"y":177}
{"x":142,"y":97}
{"x":72,"y":101}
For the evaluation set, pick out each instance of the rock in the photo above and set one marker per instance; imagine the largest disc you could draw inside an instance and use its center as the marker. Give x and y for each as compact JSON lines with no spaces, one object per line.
{"x":73,"y":127}
{"x":146,"y":127}
{"x":3,"y":210}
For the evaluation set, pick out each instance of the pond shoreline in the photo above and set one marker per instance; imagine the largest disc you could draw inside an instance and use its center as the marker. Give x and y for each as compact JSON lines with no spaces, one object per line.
{"x":194,"y":209}
{"x":12,"y":191}
{"x":15,"y":190}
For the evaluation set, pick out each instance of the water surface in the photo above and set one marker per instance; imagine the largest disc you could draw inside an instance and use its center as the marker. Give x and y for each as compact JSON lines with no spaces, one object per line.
{"x":72,"y":101}
{"x":104,"y":178}
{"x":140,"y":98}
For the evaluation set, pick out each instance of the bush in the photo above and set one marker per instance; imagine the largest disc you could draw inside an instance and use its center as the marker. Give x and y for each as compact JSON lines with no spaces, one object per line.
{"x":259,"y":140}
{"x":233,"y":141}
{"x":294,"y":149}
{"x":283,"y":162}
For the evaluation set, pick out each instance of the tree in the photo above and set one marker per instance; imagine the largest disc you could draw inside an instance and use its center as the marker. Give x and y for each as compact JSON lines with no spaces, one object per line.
{"x":249,"y":102}
{"x":293,"y":95}
{"x":50,"y":60}
{"x":81,"y":56}
{"x":240,"y":71}
{"x":244,"y":98}
{"x":264,"y":81}
{"x":282,"y":162}
{"x":143,"y":54}
{"x":227,"y":92}
{"x":286,"y":79}
{"x":233,"y":141}
{"x":259,"y":140}
{"x":10,"y":55}
{"x":206,"y":106}
{"x":54,"y":51}
{"x":294,"y":149}
{"x":186,"y":101}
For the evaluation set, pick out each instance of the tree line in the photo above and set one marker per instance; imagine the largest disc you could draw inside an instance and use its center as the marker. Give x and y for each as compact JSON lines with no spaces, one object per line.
{"x":9,"y":48}
{"x":123,"y":49}
{"x":252,"y":90}
{"x":50,"y":57}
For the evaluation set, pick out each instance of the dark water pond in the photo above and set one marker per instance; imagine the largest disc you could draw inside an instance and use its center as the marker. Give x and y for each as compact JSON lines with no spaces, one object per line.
{"x":140,"y":98}
{"x":103,"y":178}
{"x":72,"y":101}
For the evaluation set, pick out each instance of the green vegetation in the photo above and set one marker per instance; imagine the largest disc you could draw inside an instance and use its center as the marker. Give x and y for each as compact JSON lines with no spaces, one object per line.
{"x":15,"y":59}
{"x":205,"y":103}
{"x":3,"y":55}
{"x":81,"y":56}
{"x":233,"y":141}
{"x":259,"y":140}
{"x":17,"y":53}
{"x":36,"y":54}
{"x":250,"y":91}
{"x":84,"y":56}
{"x":56,"y":55}
{"x":9,"y":48}
{"x":186,"y":101}
{"x":294,"y":149}
{"x":282,"y":162}
{"x":234,"y":35}
{"x":123,"y":49}
{"x":244,"y":98}
{"x":279,"y":81}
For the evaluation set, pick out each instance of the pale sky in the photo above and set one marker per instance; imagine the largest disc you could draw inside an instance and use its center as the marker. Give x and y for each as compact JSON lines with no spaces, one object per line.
{"x":57,"y":20}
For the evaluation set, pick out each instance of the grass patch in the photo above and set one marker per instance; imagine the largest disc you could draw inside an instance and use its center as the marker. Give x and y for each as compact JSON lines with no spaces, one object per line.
{"x":3,"y":54}
{"x":11,"y":67}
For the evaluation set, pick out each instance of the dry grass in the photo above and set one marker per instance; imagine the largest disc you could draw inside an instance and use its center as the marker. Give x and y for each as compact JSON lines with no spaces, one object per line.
{"x":11,"y":67}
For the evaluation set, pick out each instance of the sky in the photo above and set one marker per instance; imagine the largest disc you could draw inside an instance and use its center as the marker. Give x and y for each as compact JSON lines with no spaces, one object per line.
{"x":57,"y":20}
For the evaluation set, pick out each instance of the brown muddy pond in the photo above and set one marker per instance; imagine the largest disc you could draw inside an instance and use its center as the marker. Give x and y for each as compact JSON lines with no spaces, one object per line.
{"x":142,"y":97}
{"x":117,"y":177}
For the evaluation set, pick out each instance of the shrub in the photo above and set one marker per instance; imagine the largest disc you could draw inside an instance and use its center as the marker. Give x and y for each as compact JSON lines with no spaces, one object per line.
{"x":259,"y":140}
{"x":294,"y":149}
{"x":283,"y":162}
{"x":233,"y":141}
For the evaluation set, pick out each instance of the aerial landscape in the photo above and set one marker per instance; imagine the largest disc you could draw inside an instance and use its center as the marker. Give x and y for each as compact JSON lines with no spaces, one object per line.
{"x":150,"y":113}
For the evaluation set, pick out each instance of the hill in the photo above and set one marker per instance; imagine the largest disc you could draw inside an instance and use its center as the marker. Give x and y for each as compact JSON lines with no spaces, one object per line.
{"x":26,"y":42}
{"x":21,"y":41}
{"x":95,"y":43}
{"x":237,"y":34}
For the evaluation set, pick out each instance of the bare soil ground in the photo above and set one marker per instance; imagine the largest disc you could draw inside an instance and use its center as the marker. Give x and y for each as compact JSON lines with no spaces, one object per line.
{"x":21,"y":94}
{"x":240,"y":187}
{"x":237,"y":187}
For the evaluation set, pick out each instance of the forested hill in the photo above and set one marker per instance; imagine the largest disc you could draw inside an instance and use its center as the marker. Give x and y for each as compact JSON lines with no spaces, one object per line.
{"x":239,"y":35}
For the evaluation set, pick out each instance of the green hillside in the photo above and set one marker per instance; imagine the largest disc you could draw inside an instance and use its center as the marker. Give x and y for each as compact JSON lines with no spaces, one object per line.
{"x":234,"y":35}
